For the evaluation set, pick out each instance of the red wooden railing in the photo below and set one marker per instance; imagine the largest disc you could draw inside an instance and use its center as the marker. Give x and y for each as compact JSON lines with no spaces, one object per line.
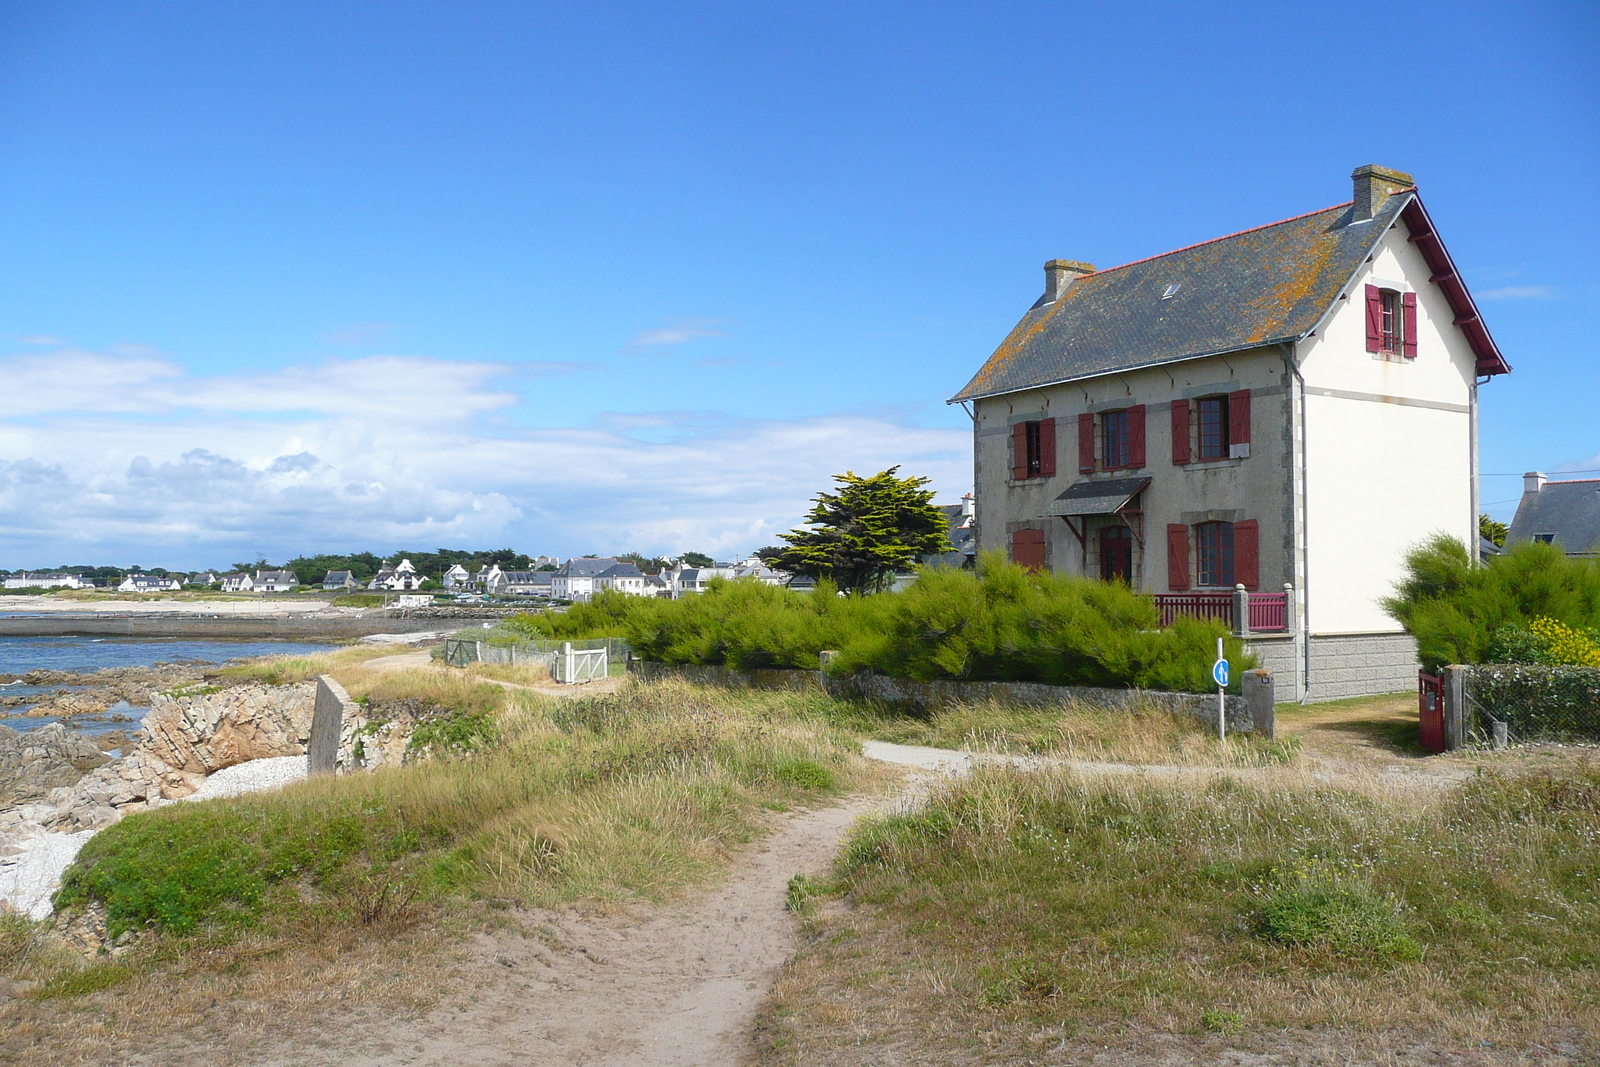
{"x":1195,"y":605}
{"x":1269,"y":612}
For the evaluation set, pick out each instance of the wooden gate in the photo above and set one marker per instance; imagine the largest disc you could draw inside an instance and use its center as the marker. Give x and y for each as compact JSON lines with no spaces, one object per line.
{"x":1430,"y":711}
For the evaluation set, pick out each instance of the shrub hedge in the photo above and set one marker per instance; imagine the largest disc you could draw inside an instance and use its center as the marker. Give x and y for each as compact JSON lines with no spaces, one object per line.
{"x":1454,"y":607}
{"x":1539,"y":702}
{"x":998,"y":623}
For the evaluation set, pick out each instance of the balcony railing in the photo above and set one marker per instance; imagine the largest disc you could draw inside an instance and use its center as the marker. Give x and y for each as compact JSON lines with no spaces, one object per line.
{"x":1263,"y":612}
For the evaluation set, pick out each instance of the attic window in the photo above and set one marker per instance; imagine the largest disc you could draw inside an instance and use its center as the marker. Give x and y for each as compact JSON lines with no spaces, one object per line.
{"x":1544,"y":538}
{"x":1172,"y":291}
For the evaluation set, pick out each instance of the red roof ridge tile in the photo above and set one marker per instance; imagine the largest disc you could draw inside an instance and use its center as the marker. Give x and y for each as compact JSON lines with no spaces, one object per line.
{"x":1225,"y":237}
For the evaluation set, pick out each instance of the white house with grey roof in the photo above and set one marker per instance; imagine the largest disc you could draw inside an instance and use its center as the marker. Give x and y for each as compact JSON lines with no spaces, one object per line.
{"x":1288,"y":409}
{"x":575,"y":579}
{"x":1564,"y":514}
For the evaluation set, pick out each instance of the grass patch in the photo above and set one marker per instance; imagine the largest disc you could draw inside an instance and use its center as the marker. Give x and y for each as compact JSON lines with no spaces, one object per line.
{"x":1145,"y":733}
{"x":545,"y":800}
{"x":359,"y":600}
{"x":286,"y":670}
{"x":1024,"y":903}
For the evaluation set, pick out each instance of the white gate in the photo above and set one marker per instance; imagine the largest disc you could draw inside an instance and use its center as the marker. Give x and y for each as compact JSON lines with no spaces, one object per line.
{"x":574,"y":665}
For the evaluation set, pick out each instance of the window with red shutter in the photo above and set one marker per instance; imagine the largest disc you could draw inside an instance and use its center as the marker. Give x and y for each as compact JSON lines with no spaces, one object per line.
{"x":1086,"y":442}
{"x":1374,"y":319}
{"x":1019,"y":451}
{"x":1047,"y":448}
{"x":1213,"y":428}
{"x":1027,"y":549}
{"x":1409,"y":327}
{"x":1177,"y":557}
{"x":1180,"y":432}
{"x":1239,"y":424}
{"x":1214,"y":554}
{"x":1136,"y":436}
{"x":1247,"y":553}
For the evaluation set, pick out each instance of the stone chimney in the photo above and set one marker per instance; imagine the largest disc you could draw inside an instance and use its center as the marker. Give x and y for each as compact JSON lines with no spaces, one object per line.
{"x":1533,"y":481}
{"x":1374,"y":184}
{"x":1059,"y":274}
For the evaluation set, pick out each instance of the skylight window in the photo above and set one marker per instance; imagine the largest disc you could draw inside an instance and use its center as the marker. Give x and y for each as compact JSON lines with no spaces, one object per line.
{"x":1172,"y":291}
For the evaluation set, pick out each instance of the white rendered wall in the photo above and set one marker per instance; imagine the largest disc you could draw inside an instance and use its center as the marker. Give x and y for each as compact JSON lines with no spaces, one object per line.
{"x":1389,"y":445}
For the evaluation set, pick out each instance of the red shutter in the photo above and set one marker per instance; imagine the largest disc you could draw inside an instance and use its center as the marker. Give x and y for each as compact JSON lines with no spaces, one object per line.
{"x":1086,"y":442}
{"x":1047,"y":448}
{"x":1247,"y":553}
{"x":1136,"y":436}
{"x":1374,"y":319}
{"x":1177,"y":557}
{"x":1180,"y":432}
{"x":1239,"y":417}
{"x":1019,"y":451}
{"x":1410,"y":302}
{"x":1027,"y":549}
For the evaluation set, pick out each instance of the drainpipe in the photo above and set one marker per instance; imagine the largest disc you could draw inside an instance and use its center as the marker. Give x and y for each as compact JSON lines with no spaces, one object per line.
{"x":1305,"y":525}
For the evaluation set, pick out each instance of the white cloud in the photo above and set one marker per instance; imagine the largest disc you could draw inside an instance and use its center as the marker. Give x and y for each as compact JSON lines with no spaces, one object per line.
{"x":1521,"y":292}
{"x":133,"y":458}
{"x":678,"y":333}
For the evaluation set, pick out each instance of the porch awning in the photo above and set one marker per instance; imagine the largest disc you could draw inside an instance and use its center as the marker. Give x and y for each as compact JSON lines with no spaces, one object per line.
{"x":1097,"y":498}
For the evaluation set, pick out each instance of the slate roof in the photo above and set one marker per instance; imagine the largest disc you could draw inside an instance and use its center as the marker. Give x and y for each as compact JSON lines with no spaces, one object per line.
{"x":621,"y":570}
{"x":1569,"y":510}
{"x":1098,"y":498}
{"x":584,"y":567}
{"x":1259,"y":287}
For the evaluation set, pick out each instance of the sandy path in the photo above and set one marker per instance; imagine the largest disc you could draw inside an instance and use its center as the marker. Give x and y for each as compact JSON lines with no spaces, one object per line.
{"x":655,"y":987}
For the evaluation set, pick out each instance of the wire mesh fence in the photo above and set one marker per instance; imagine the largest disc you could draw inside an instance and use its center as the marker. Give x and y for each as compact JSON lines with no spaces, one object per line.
{"x":1528,"y":703}
{"x":566,"y":661}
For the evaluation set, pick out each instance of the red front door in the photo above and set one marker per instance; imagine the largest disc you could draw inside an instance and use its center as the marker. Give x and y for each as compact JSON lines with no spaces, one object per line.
{"x":1116,"y":554}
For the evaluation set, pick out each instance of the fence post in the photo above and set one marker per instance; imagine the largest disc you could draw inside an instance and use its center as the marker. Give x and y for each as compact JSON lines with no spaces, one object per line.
{"x":566,"y":664}
{"x":1454,"y":684}
{"x":1241,"y":611}
{"x":1260,"y":701}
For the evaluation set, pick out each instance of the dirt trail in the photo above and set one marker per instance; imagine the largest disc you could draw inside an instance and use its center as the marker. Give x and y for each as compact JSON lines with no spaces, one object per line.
{"x":655,"y":987}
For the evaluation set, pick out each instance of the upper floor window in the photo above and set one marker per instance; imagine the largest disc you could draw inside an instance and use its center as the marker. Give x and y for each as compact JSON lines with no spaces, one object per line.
{"x":1391,"y":322}
{"x":1033,"y":449}
{"x":1213,"y":427}
{"x":1215,"y":555}
{"x":1114,"y":439}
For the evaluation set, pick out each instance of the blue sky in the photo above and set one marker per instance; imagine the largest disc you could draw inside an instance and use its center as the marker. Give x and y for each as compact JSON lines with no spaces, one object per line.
{"x":295,"y":278}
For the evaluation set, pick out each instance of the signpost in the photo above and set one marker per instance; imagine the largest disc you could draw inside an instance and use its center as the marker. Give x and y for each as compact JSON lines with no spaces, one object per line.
{"x":1219,"y":674}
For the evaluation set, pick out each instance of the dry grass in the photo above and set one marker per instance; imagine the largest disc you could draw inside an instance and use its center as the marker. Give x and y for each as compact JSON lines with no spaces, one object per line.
{"x":286,"y":670}
{"x":351,"y":888}
{"x":1047,"y":917}
{"x":1145,"y":733}
{"x":516,"y":674}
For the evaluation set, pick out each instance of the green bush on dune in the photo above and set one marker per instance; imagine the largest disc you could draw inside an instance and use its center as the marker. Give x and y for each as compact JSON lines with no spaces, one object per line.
{"x":999,"y":623}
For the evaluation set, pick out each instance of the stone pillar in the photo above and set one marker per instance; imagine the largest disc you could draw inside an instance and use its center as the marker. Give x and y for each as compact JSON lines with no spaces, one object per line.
{"x":1260,"y":701}
{"x":1241,"y":611}
{"x":327,"y":724}
{"x":1454,"y":679}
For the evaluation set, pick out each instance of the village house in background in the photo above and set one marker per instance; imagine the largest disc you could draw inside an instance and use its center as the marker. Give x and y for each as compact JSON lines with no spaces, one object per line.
{"x":527,"y":583}
{"x":402,"y":577}
{"x":1289,"y":409}
{"x":276,"y":581}
{"x":203,"y":578}
{"x":148,"y":583}
{"x":237,"y":582}
{"x":340,"y":582}
{"x":623,"y":578}
{"x":457,"y":579}
{"x":1564,"y":514}
{"x":575,"y":579}
{"x":53,"y":580}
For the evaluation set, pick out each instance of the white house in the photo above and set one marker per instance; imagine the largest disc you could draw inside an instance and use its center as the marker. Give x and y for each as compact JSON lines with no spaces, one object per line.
{"x":148,"y":583}
{"x":401,"y":577}
{"x":490,"y":578}
{"x":36,"y":580}
{"x":275,"y":581}
{"x":682,"y":580}
{"x":457,"y":578}
{"x":238,"y":582}
{"x":528,"y":583}
{"x":575,"y":579}
{"x":1289,"y":408}
{"x":623,"y":578}
{"x":203,"y":578}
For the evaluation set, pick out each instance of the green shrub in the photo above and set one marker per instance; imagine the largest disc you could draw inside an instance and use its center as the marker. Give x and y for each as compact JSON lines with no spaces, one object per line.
{"x":1000,"y":623}
{"x":1454,"y":607}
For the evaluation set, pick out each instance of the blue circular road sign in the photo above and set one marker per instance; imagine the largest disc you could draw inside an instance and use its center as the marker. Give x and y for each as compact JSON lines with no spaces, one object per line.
{"x":1219,"y":673}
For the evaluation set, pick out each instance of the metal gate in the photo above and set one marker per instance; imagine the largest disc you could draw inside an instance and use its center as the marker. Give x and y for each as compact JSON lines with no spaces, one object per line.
{"x":1430,"y":711}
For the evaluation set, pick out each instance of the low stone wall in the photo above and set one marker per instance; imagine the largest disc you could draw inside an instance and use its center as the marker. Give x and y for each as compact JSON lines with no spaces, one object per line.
{"x":930,"y":695}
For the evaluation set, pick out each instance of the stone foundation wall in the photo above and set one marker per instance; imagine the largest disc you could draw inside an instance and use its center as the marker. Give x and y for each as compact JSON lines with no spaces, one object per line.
{"x":1353,"y":665}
